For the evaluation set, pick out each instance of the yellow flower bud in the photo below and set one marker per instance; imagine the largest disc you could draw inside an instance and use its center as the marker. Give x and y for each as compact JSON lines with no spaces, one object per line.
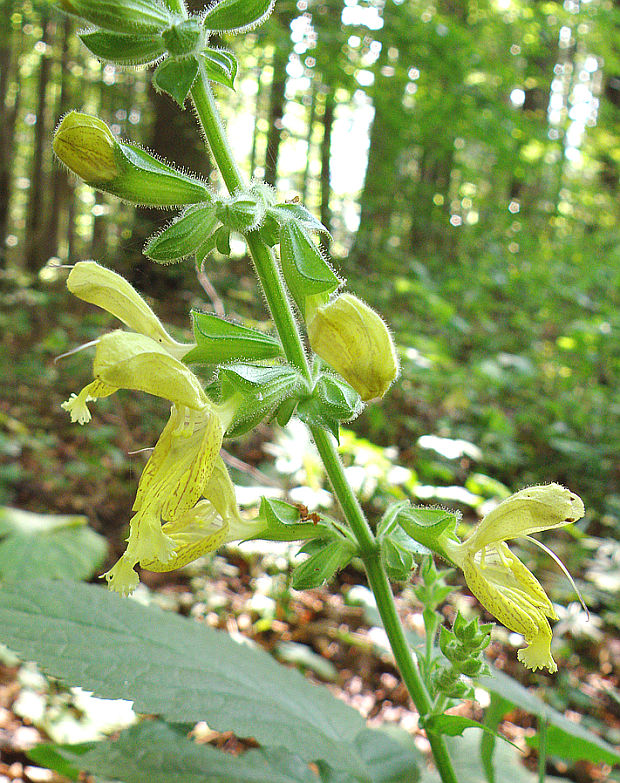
{"x":86,"y":145}
{"x":354,"y":340}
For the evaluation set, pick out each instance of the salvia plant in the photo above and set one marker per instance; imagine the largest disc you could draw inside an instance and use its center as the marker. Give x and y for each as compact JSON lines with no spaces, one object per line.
{"x":329,"y":355}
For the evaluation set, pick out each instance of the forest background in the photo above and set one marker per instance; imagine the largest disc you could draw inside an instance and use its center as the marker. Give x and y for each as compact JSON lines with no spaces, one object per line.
{"x":465,"y":155}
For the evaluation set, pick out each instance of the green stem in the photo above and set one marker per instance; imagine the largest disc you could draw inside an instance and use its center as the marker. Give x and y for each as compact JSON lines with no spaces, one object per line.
{"x":215,"y":133}
{"x":266,"y":269}
{"x":346,"y":497}
{"x":406,"y":665}
{"x":431,"y":629}
{"x":284,"y":319}
{"x":542,"y":749}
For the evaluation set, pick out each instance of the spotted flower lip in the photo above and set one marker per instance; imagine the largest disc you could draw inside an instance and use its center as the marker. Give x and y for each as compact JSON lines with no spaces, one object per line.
{"x":213,"y":521}
{"x":172,"y":483}
{"x":499,"y":579}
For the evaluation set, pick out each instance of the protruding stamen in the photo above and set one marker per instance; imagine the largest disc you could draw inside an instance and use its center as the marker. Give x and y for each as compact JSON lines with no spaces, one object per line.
{"x":76,"y":350}
{"x":564,"y":571}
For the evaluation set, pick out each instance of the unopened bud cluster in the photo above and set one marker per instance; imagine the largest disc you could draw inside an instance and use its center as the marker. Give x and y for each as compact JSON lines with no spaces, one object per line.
{"x":463,"y":648}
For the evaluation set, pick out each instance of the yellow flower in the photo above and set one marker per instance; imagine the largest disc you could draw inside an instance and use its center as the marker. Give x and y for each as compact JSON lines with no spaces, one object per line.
{"x":499,"y":579}
{"x":185,"y":503}
{"x":126,"y":360}
{"x":147,"y":360}
{"x":180,"y":471}
{"x":172,"y":484}
{"x":180,"y":468}
{"x":102,"y":287}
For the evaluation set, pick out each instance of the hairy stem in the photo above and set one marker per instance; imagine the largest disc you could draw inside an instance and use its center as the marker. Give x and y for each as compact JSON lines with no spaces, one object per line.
{"x":286,"y":325}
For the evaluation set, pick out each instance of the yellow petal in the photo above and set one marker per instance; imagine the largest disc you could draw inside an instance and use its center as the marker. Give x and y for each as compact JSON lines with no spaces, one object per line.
{"x":502,"y":602}
{"x":514,"y":596}
{"x":537,"y":655}
{"x":175,"y":476}
{"x":121,"y":577}
{"x":147,"y":539}
{"x":102,"y":287}
{"x":213,"y":521}
{"x":196,"y":532}
{"x":132,"y":361}
{"x":528,"y":582}
{"x":526,"y":512}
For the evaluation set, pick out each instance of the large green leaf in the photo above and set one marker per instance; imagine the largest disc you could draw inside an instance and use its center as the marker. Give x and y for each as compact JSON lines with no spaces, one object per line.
{"x":161,"y":753}
{"x":176,"y":668}
{"x":158,"y":753}
{"x":565,"y":739}
{"x":390,"y":757}
{"x":60,"y":546}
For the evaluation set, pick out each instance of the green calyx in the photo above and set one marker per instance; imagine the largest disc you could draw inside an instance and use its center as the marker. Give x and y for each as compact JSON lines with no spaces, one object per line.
{"x":433,"y":528}
{"x":185,"y":37}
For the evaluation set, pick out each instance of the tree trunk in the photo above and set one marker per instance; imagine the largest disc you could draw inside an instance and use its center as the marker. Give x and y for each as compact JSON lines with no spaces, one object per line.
{"x":60,"y":188}
{"x":276,"y":112}
{"x":35,"y":222}
{"x":6,"y":138}
{"x":328,"y":121}
{"x":387,"y":139}
{"x":172,"y":136}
